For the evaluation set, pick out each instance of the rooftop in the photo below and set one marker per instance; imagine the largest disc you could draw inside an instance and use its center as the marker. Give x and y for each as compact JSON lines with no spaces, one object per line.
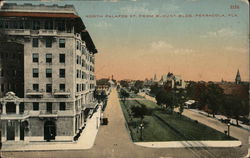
{"x":28,"y":7}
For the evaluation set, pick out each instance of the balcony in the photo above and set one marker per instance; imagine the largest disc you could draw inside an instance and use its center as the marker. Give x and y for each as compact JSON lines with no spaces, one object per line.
{"x":61,"y":92}
{"x":44,"y":32}
{"x":33,"y":93}
{"x":21,"y":32}
{"x":45,"y":113}
{"x":14,"y":116}
{"x":91,"y":105}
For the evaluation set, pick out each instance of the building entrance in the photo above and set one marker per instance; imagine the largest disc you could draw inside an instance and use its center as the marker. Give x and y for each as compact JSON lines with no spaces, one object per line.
{"x":10,"y":131}
{"x":49,"y":130}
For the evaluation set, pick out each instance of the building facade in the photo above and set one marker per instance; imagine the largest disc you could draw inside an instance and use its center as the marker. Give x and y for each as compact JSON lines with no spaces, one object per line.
{"x":46,"y":73}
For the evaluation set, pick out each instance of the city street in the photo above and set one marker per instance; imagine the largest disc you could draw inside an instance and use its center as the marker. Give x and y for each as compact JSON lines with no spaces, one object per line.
{"x":113,"y":141}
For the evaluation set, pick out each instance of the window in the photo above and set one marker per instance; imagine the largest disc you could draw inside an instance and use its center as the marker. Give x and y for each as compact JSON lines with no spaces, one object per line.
{"x":77,"y":73}
{"x":69,"y":27}
{"x":77,"y":87}
{"x":35,"y":72}
{"x":62,"y":87}
{"x":49,"y":107}
{"x":62,"y":73}
{"x":77,"y":59}
{"x":62,"y":106}
{"x":35,"y":42}
{"x":36,"y":25}
{"x":27,"y":24}
{"x":61,"y":26}
{"x":15,"y":24}
{"x":36,"y":87}
{"x":2,"y":72}
{"x":62,"y":58}
{"x":35,"y":58}
{"x":2,"y":87}
{"x":35,"y":106}
{"x":49,"y":25}
{"x":2,"y":55}
{"x":83,"y":62}
{"x":1,"y":24}
{"x":48,"y":88}
{"x":61,"y":43}
{"x":48,"y":73}
{"x":48,"y":58}
{"x":6,"y":25}
{"x":48,"y":43}
{"x":77,"y":44}
{"x":21,"y":26}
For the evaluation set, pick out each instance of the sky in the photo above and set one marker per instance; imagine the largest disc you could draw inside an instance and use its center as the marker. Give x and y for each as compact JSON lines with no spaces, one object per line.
{"x":149,"y":41}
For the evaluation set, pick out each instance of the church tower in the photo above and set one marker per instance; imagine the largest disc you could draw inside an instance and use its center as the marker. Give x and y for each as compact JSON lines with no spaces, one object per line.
{"x":238,"y":78}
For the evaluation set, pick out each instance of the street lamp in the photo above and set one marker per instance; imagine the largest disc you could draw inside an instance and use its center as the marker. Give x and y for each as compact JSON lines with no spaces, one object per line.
{"x":228,"y":129}
{"x":141,"y":127}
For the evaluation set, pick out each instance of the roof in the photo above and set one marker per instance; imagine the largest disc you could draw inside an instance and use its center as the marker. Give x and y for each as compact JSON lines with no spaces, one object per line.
{"x":39,"y":14}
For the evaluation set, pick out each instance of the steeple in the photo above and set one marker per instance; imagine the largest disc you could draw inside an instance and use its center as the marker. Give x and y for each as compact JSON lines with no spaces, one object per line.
{"x":238,"y":78}
{"x":155,"y":77}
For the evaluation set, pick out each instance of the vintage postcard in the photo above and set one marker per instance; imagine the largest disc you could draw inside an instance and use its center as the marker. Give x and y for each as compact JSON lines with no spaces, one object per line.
{"x":124,"y":79}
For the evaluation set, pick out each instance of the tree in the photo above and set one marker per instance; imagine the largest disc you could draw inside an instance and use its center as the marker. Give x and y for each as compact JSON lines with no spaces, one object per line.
{"x":215,"y":96}
{"x":180,"y":99}
{"x":155,"y":89}
{"x":124,"y":83}
{"x":134,"y":89}
{"x":181,"y":109}
{"x":100,"y":95}
{"x":200,"y":94}
{"x":138,"y":84}
{"x":191,"y":86}
{"x":234,"y":107}
{"x":124,"y":94}
{"x":165,"y":98}
{"x":139,"y":111}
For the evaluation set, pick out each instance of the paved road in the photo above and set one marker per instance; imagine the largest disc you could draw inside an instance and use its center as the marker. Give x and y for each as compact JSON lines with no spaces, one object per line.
{"x":236,"y":132}
{"x":113,"y":141}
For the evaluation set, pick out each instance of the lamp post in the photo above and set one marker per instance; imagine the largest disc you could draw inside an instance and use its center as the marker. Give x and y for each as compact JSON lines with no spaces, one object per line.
{"x":141,"y":127}
{"x":228,"y":129}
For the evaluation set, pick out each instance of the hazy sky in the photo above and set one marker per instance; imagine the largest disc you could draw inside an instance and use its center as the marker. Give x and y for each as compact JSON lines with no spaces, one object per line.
{"x":197,"y":48}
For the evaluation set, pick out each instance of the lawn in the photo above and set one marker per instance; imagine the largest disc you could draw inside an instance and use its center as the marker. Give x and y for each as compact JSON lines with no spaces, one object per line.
{"x":160,"y":126}
{"x":132,"y":95}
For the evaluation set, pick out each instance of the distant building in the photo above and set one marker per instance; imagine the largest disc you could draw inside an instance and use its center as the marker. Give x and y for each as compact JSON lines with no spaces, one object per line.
{"x":103,"y":84}
{"x":238,"y":78}
{"x":155,"y":78}
{"x":172,"y":81}
{"x":148,"y":83}
{"x":46,"y":75}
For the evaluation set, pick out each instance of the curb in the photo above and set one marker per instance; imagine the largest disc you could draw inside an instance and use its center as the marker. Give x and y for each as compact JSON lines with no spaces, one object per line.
{"x":190,"y":144}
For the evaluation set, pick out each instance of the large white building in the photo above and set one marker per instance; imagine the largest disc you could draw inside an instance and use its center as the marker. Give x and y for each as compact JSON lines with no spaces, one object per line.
{"x":173,"y":81}
{"x":46,"y":73}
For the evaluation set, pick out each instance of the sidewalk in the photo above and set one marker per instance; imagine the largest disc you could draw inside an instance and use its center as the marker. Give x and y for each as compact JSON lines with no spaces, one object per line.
{"x":85,"y":141}
{"x":218,"y":117}
{"x":188,"y":144}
